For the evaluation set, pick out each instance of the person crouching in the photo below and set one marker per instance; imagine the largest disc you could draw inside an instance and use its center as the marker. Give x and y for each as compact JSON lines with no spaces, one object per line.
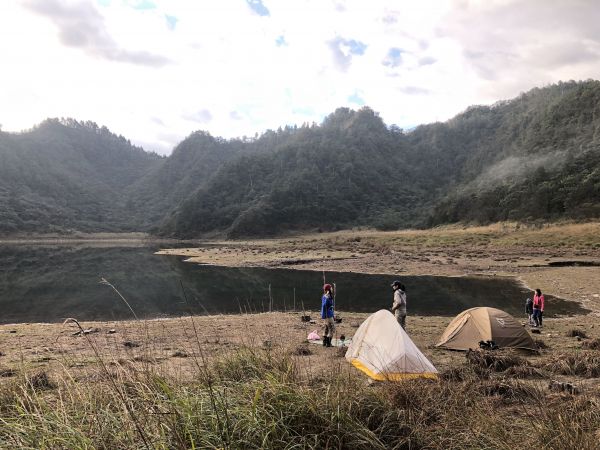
{"x":327,"y":315}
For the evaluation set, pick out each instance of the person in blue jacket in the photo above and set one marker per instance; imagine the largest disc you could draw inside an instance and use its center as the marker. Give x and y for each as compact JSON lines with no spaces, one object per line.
{"x":327,"y":315}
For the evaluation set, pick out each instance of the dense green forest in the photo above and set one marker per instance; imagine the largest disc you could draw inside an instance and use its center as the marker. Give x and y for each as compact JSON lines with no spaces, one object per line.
{"x":347,"y":171}
{"x":67,"y":175}
{"x":535,"y":157}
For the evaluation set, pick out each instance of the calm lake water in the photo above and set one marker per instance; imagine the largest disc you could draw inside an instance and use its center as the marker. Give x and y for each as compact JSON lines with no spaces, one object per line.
{"x":51,"y":283}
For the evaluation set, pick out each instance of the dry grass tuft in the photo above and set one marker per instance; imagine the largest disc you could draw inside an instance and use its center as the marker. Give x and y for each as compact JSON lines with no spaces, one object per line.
{"x":526,"y":372}
{"x":498,"y":361}
{"x":465,"y":373}
{"x":582,"y":364}
{"x":594,"y":344}
{"x":40,"y":381}
{"x":5,"y":373}
{"x":541,"y":345}
{"x":510,"y":390}
{"x":575,"y":332}
{"x":302,"y":350}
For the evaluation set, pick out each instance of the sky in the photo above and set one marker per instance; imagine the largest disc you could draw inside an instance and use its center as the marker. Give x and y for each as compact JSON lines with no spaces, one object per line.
{"x":155,"y":71}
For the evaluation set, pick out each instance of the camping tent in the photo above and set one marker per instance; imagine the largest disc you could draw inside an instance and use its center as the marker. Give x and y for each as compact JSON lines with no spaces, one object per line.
{"x":383,"y":350}
{"x":485,"y":324}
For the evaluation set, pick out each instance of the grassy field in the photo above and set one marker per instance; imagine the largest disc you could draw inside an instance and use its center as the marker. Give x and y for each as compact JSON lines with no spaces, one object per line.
{"x":259,"y":399}
{"x":569,"y":235}
{"x":252,"y":381}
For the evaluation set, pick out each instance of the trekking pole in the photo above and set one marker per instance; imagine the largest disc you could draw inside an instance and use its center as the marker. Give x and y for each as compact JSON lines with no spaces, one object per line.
{"x":334,"y":323}
{"x":270,"y":299}
{"x":334,"y":292}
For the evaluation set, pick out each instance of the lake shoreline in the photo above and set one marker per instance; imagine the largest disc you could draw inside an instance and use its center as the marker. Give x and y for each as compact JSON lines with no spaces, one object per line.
{"x":528,"y":256}
{"x":116,"y":239}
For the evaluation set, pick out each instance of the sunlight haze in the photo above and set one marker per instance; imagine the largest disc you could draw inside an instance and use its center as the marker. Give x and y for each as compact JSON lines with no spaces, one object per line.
{"x":155,"y":71}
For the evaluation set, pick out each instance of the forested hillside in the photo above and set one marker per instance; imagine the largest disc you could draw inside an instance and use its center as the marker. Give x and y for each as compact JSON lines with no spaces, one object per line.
{"x":539,"y":160}
{"x":535,"y":157}
{"x":67,"y":175}
{"x":191,"y":164}
{"x":349,"y":170}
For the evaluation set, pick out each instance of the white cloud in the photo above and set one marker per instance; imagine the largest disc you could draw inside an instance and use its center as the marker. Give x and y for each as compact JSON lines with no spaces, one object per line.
{"x":217,"y":65}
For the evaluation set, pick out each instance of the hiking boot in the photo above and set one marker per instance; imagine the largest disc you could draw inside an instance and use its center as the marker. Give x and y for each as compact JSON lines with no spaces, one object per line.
{"x":328,"y":342}
{"x":324,"y":341}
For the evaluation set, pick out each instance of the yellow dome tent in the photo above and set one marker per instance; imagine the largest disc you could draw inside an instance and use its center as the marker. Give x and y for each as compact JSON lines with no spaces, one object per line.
{"x":383,"y":350}
{"x":485,"y":324}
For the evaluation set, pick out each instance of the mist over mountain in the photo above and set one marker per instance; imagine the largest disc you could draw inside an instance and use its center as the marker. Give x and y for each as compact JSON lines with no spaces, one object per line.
{"x":533,"y":157}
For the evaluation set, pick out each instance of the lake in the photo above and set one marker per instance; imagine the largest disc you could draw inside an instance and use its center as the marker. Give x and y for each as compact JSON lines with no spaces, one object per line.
{"x":54,"y":282}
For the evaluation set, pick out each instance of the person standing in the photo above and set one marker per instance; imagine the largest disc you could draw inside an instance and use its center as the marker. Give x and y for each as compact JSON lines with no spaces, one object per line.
{"x":538,"y":307}
{"x":327,"y":315}
{"x":529,"y":310}
{"x":399,"y":305}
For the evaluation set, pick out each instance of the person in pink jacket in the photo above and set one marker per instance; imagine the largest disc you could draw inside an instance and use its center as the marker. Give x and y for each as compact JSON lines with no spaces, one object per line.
{"x":538,"y":308}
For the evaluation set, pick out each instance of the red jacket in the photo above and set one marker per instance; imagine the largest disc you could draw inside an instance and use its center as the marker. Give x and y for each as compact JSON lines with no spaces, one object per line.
{"x":538,"y":302}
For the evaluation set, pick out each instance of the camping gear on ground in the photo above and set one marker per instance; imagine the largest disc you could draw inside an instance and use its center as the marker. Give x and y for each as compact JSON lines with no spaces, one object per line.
{"x":488,"y":345}
{"x":313,"y":336}
{"x":334,"y":342}
{"x":305,"y":318}
{"x":383,"y":350}
{"x":337,"y":319}
{"x":470,"y":327}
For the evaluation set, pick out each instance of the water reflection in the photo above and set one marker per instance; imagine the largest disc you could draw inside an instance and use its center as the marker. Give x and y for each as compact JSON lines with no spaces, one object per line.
{"x":50,"y":283}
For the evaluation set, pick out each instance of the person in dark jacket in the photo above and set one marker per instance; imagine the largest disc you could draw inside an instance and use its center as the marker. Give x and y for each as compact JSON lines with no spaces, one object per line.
{"x":529,"y":310}
{"x":327,"y":315}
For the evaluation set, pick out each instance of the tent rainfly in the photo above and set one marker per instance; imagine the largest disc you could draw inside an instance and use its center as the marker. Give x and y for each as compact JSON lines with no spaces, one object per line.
{"x":485,"y":324}
{"x":383,"y":350}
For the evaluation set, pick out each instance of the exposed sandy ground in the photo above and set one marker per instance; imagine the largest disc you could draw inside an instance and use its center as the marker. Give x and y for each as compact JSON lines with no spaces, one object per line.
{"x":175,"y":345}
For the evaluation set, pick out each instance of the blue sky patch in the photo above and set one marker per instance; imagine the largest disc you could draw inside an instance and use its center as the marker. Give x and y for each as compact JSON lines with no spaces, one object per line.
{"x":356,"y":47}
{"x":141,"y":4}
{"x":258,"y":7}
{"x":393,"y":57}
{"x":171,"y":21}
{"x":343,"y":50}
{"x":356,"y":99}
{"x":280,"y":41}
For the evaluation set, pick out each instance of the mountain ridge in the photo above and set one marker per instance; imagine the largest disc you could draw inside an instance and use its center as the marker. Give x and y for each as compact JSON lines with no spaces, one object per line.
{"x":534,"y":157}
